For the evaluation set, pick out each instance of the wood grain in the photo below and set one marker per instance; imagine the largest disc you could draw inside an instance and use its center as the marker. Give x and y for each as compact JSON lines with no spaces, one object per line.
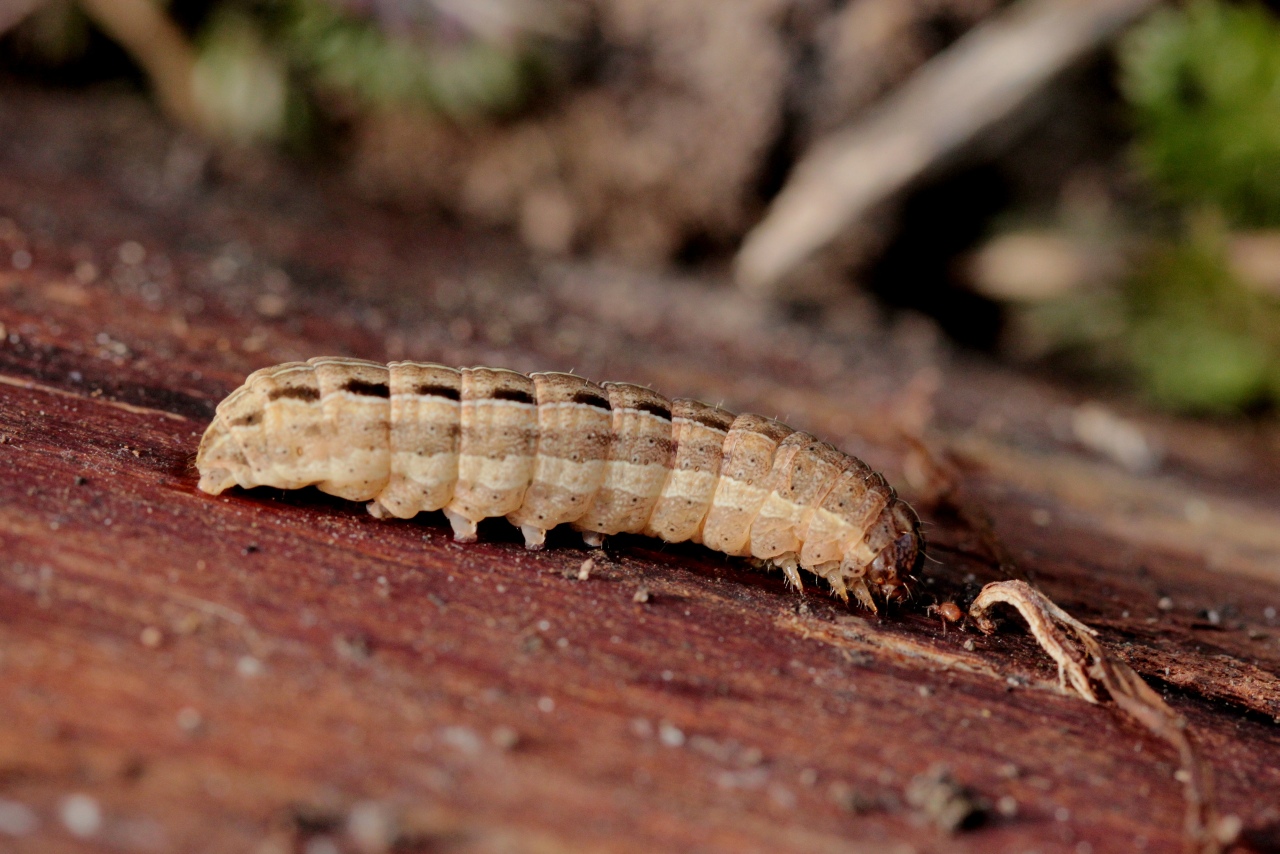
{"x":253,"y":673}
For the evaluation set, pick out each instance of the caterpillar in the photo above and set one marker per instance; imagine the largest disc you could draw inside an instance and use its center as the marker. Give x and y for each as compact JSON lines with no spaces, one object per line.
{"x":548,"y":449}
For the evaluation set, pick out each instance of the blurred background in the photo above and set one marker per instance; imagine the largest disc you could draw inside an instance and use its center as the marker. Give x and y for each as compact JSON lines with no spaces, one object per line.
{"x":1090,"y":189}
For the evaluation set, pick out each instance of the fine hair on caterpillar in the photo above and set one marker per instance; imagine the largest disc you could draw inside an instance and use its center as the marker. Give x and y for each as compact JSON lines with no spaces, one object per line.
{"x":548,"y":449}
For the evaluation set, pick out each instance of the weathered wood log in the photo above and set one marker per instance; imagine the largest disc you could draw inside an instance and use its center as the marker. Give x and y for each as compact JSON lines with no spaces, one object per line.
{"x":259,"y":670}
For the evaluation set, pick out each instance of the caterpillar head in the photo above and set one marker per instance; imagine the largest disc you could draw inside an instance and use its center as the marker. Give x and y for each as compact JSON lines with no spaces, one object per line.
{"x":902,"y":557}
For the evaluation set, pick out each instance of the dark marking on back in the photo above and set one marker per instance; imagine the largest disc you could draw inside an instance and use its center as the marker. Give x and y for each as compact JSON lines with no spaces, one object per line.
{"x":445,"y":391}
{"x":366,"y":388}
{"x":591,"y":398}
{"x":295,"y":392}
{"x":512,"y":394}
{"x":654,"y":409}
{"x":247,"y":420}
{"x":716,"y":419}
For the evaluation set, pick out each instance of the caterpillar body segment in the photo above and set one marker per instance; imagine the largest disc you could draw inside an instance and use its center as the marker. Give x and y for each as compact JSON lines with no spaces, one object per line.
{"x":550,"y":449}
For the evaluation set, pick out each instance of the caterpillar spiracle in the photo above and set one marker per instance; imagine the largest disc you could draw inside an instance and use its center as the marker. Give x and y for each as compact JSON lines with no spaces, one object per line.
{"x":548,"y":449}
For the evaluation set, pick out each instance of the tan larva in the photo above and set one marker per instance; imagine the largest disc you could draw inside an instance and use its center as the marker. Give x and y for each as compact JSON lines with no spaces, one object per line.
{"x":549,"y":449}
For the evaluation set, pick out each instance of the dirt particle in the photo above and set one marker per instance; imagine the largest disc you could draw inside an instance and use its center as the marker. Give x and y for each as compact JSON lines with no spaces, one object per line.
{"x":858,"y":801}
{"x":504,"y":738}
{"x":641,"y":596}
{"x":670,"y":735}
{"x":190,"y":720}
{"x":938,"y":799}
{"x":353,"y":647}
{"x":270,"y":305}
{"x":151,"y":637}
{"x":461,"y":738}
{"x":132,"y":253}
{"x":373,"y":827}
{"x":17,"y":819}
{"x":81,"y":815}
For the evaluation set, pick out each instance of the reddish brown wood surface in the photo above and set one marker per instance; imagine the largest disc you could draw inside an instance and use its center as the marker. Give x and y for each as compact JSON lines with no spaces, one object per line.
{"x":260,"y":671}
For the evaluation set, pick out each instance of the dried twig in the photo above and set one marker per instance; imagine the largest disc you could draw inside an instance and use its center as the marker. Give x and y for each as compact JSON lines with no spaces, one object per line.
{"x":1083,"y":661}
{"x":978,"y":81}
{"x":143,"y":29}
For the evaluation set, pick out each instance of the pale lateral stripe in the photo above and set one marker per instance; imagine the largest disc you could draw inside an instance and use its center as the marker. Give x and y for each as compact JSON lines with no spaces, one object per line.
{"x":362,"y":399}
{"x":574,"y":477}
{"x":735,"y":495}
{"x":643,"y":479}
{"x":426,"y":470}
{"x":295,"y":402}
{"x":368,"y":464}
{"x":824,"y":521}
{"x":569,"y":404}
{"x":498,"y":474}
{"x":489,"y":401}
{"x":777,"y":507}
{"x":409,"y":396}
{"x":686,"y":483}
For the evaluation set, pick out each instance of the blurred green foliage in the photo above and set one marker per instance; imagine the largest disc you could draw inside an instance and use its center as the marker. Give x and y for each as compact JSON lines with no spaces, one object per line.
{"x":261,"y":61}
{"x":263,"y":66}
{"x":443,"y":68}
{"x":1198,"y":338}
{"x":1203,"y":83}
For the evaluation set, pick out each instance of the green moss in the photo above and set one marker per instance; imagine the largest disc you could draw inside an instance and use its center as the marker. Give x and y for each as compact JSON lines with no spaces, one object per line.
{"x":459,"y":76}
{"x":1204,"y":85}
{"x":1197,"y":337}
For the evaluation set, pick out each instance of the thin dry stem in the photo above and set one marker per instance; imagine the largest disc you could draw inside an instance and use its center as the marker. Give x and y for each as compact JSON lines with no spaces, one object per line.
{"x":143,"y":29}
{"x":1083,"y":661}
{"x":977,"y":82}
